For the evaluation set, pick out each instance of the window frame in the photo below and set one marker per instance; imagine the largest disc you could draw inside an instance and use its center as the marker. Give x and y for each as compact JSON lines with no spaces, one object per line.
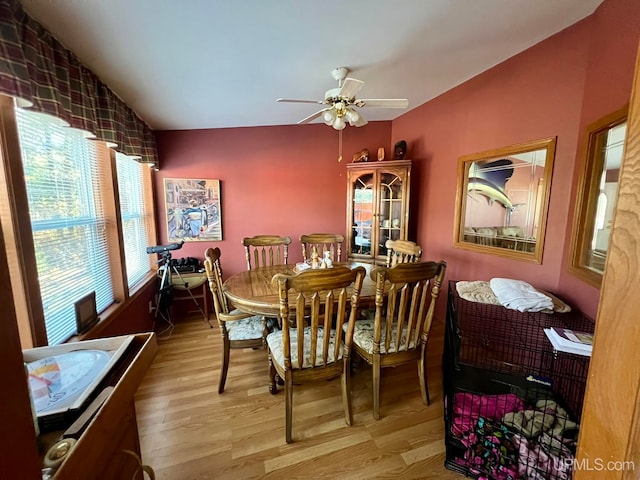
{"x":16,"y":224}
{"x":590,"y":172}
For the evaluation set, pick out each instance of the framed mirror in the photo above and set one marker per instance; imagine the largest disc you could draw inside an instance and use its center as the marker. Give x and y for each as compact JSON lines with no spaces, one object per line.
{"x":597,"y":196}
{"x":502,"y":200}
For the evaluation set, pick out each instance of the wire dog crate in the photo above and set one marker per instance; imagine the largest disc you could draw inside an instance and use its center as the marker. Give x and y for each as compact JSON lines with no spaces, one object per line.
{"x":512,"y":403}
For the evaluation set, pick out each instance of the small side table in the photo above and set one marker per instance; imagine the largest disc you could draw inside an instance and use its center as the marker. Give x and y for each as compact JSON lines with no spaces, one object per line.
{"x":189,"y":282}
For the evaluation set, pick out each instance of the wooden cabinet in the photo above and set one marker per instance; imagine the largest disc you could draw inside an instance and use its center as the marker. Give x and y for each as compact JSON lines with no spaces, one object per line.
{"x":377,"y":207}
{"x":102,"y":450}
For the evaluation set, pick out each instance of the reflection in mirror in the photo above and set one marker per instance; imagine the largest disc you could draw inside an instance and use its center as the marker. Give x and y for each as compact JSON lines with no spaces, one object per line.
{"x":597,"y":196}
{"x":502,"y":200}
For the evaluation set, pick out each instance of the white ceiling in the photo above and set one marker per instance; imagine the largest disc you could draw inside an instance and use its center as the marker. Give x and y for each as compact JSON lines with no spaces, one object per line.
{"x":195,"y":64}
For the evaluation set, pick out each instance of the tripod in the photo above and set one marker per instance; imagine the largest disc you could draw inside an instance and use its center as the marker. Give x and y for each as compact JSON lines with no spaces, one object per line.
{"x":164,"y":297}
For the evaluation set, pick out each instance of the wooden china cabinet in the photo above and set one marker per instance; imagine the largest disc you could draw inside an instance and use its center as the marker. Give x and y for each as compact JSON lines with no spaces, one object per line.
{"x":377,"y":207}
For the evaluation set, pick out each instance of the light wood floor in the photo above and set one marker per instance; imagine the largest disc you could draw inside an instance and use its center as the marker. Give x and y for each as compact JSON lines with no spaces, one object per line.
{"x":188,"y":431}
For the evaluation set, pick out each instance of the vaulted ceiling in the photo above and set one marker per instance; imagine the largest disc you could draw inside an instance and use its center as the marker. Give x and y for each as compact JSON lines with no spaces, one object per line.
{"x":196,"y":64}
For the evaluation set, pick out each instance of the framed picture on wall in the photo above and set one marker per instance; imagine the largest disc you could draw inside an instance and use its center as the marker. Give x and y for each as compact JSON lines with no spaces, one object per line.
{"x":193,"y":208}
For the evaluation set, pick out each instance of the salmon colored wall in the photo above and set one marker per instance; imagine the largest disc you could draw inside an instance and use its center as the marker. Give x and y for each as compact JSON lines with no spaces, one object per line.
{"x":615,"y":34}
{"x":554,"y":88}
{"x":535,"y":95}
{"x":282,"y":180}
{"x":286,"y":180}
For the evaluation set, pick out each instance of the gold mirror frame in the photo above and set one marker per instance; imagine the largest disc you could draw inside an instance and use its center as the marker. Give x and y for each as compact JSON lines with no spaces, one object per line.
{"x":519,"y":210}
{"x":586,"y":261}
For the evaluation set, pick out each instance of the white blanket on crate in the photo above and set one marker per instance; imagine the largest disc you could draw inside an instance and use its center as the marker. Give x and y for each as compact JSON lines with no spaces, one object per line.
{"x":519,"y":295}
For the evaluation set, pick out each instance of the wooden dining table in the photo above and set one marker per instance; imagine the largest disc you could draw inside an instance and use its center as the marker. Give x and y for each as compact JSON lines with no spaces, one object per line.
{"x":251,"y":291}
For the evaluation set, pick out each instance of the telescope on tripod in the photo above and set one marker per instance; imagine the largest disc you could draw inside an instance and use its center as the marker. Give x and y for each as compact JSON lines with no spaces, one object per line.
{"x":165,"y":248}
{"x":166,"y":271}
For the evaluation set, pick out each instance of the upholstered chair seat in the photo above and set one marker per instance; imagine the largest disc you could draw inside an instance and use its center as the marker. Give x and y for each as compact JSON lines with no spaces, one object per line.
{"x":363,"y":337}
{"x":274,"y":341}
{"x":245,"y":329}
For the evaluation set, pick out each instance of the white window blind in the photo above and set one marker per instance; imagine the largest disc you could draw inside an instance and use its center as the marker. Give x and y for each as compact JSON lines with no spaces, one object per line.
{"x":62,"y":173}
{"x":131,"y":178}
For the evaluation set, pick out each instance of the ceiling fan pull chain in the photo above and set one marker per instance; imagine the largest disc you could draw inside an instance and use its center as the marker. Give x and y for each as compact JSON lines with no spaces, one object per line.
{"x":339,"y":145}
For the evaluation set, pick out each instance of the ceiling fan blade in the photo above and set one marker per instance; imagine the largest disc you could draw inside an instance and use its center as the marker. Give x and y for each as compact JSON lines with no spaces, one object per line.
{"x":291,"y":100}
{"x":350,"y":87}
{"x":312,"y":117}
{"x":383,"y":102}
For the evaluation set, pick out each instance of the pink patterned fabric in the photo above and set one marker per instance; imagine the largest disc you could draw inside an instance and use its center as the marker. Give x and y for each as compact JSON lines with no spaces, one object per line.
{"x":468,"y":407}
{"x":536,"y":464}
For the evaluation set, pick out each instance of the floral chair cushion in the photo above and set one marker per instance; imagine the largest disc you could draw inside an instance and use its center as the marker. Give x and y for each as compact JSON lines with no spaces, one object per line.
{"x":363,"y":337}
{"x":245,"y":329}
{"x":274,"y":340}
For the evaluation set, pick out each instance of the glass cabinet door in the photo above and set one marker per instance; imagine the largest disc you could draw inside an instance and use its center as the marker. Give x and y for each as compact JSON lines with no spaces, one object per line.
{"x":377,"y":208}
{"x":391,"y":210}
{"x":363,"y":214}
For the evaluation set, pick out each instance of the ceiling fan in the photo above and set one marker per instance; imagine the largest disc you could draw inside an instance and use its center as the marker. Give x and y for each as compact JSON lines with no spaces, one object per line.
{"x":342,"y":100}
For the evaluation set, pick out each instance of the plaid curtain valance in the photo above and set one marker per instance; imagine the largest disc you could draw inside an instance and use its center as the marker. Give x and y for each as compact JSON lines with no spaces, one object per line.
{"x":36,"y":68}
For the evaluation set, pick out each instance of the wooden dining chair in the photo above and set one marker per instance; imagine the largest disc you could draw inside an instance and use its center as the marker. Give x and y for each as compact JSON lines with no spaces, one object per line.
{"x":238,"y":329}
{"x":406,"y":295}
{"x":402,"y":251}
{"x":312,"y":344}
{"x":266,"y":250}
{"x":322,"y":242}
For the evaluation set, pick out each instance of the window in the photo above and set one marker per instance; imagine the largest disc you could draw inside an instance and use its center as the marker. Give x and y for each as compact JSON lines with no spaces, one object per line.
{"x":79,"y":246}
{"x":597,"y":196}
{"x":63,"y":173}
{"x":135,"y":215}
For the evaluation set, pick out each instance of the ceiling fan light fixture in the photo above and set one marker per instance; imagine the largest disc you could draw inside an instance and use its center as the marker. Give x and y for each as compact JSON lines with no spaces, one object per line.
{"x":339,"y":124}
{"x":352,"y":116}
{"x":329,"y":117}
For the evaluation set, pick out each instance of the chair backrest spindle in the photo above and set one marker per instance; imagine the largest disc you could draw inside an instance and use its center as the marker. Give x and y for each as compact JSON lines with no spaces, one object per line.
{"x":402,"y":251}
{"x":323,"y":242}
{"x":214,"y":276}
{"x":408,"y":308}
{"x":266,"y":250}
